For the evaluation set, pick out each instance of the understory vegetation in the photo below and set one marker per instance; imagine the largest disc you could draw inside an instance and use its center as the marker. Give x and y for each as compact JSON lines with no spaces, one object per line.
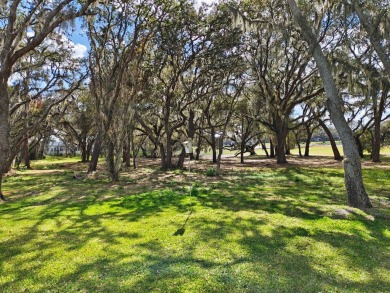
{"x":257,"y":227}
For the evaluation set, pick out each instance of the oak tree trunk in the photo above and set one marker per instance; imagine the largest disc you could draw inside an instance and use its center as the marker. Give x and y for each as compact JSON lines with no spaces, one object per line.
{"x":4,"y":129}
{"x":83,"y":149}
{"x":357,"y":196}
{"x":113,"y":161}
{"x":308,"y":141}
{"x":242,"y":149}
{"x":182,"y":156}
{"x":25,"y":152}
{"x":376,"y":142}
{"x":191,"y":131}
{"x":213,"y":145}
{"x":198,"y":148}
{"x":1,"y":193}
{"x":281,"y":134}
{"x":164,"y":164}
{"x":335,"y":150}
{"x":359,"y":146}
{"x":95,"y":153}
{"x":127,"y":151}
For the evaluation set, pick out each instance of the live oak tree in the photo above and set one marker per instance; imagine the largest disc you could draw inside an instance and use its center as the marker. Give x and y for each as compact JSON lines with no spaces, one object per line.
{"x":280,"y":67}
{"x":176,"y":45}
{"x":18,"y":19}
{"x":225,"y":72}
{"x":245,"y":131}
{"x":360,"y":52}
{"x":190,"y":61}
{"x":78,"y":123}
{"x":118,"y":36}
{"x":42,"y":80}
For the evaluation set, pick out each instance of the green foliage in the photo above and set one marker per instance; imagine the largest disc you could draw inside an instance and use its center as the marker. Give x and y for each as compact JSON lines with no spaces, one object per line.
{"x":265,"y":230}
{"x":211,"y":172}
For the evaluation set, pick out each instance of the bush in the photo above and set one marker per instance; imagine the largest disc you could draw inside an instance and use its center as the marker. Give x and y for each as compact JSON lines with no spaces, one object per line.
{"x":211,"y":172}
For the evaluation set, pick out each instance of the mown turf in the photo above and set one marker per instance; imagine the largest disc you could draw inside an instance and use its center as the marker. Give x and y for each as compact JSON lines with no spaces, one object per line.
{"x":253,"y":230}
{"x":324,"y":149}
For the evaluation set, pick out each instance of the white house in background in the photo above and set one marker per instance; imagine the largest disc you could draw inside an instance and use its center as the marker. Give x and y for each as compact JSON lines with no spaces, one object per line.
{"x":58,"y":148}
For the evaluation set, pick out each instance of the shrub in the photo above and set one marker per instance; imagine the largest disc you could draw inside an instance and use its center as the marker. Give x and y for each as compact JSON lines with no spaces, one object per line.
{"x":211,"y":172}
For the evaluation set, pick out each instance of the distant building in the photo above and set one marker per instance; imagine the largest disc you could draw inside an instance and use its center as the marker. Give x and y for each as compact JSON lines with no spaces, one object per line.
{"x":58,"y":148}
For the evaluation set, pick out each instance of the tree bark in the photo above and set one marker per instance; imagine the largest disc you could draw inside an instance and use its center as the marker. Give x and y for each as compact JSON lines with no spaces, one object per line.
{"x":335,"y":150}
{"x":213,"y":145}
{"x":198,"y":148}
{"x":2,"y":197}
{"x":220,"y":150}
{"x":378,"y":112}
{"x":169,"y":152}
{"x":242,"y":149}
{"x":308,"y":141}
{"x":287,"y":144}
{"x":357,"y":196}
{"x":4,"y":128}
{"x":113,"y":161}
{"x":376,"y":142}
{"x":127,"y":151}
{"x":164,"y":165}
{"x":83,"y":149}
{"x":89,"y":147}
{"x":191,"y":132}
{"x":133,"y":149}
{"x":182,"y":156}
{"x":25,"y":152}
{"x":359,"y":146}
{"x":95,"y":153}
{"x":281,"y":134}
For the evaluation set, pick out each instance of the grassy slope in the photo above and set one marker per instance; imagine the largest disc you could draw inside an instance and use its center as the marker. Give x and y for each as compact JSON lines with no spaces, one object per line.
{"x":264,"y":230}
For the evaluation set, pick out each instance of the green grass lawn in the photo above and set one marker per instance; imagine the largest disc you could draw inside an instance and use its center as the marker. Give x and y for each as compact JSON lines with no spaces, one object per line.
{"x":316,"y":149}
{"x":321,"y":149}
{"x":252,"y":230}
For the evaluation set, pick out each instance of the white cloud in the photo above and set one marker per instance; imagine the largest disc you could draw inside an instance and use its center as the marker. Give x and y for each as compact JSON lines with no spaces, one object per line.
{"x":79,"y":51}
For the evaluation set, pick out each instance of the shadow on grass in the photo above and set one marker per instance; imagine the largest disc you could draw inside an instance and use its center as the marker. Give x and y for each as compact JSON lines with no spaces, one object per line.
{"x":253,"y":231}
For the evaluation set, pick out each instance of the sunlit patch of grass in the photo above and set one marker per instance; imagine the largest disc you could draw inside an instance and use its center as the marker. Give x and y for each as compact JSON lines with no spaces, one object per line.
{"x":259,"y":230}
